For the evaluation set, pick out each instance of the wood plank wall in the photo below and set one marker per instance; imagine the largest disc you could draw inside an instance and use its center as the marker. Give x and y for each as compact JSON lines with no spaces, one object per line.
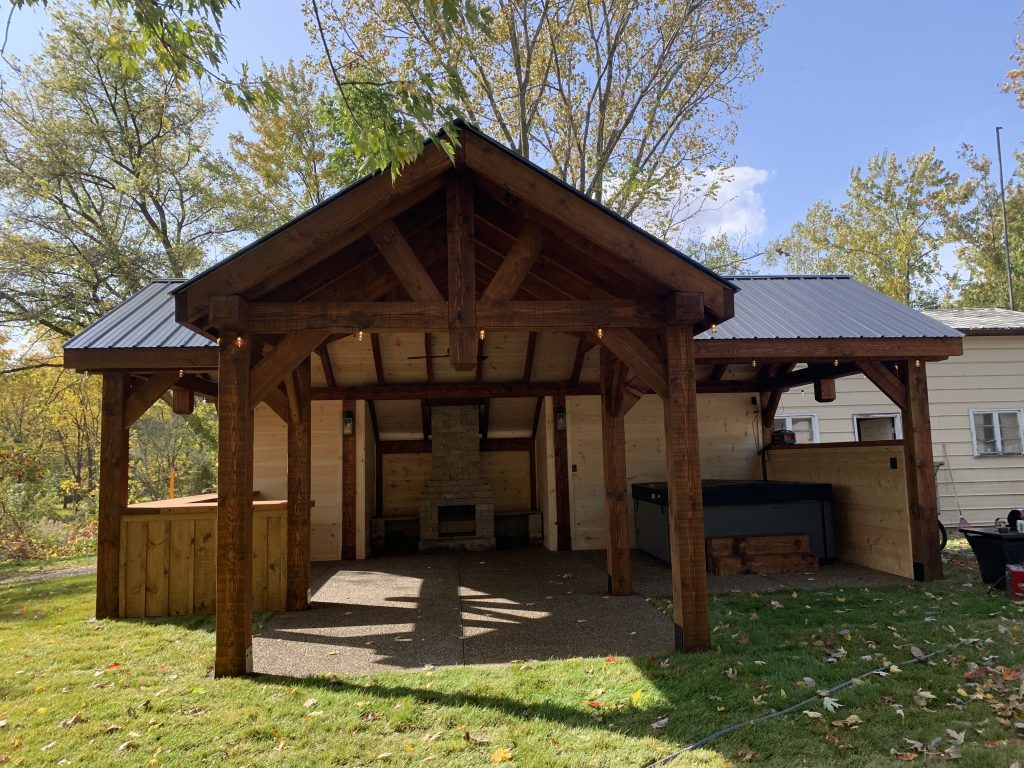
{"x":168,"y":562}
{"x":869,"y":498}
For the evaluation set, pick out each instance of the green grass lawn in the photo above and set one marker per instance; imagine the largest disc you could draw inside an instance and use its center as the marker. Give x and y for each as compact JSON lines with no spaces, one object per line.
{"x":74,"y":691}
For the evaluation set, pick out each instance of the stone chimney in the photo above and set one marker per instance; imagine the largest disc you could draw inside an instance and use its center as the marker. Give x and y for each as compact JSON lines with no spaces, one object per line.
{"x":457,"y":506}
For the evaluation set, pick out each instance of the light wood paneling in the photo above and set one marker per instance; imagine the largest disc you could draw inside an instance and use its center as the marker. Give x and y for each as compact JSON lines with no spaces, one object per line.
{"x":869,"y":499}
{"x":404,"y":478}
{"x":988,"y":375}
{"x":168,"y":565}
{"x":727,"y":452}
{"x":508,"y":474}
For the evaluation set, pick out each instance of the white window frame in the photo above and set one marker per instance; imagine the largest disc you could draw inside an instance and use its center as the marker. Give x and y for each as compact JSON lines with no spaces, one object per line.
{"x":815,"y":437}
{"x":999,"y":434}
{"x":896,"y":417}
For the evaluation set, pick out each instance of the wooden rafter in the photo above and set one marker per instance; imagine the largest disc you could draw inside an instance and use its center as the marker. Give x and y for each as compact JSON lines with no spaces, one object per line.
{"x":428,"y":357}
{"x":640,"y":358}
{"x":718,"y":371}
{"x":147,"y":393}
{"x":400,"y":257}
{"x":282,"y":360}
{"x":510,"y":275}
{"x":378,"y":360}
{"x":325,"y":361}
{"x":582,"y":346}
{"x":883,"y":378}
{"x":531,"y":348}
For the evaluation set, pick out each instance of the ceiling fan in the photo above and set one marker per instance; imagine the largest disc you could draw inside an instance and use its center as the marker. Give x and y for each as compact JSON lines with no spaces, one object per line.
{"x":479,"y":358}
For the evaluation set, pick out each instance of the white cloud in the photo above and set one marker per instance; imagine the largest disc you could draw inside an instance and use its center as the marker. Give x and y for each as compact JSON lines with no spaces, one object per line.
{"x":737,"y":209}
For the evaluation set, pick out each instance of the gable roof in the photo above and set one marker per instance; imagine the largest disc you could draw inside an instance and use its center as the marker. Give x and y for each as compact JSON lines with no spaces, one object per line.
{"x":821,"y":307}
{"x":981,"y":321}
{"x":599,"y":236}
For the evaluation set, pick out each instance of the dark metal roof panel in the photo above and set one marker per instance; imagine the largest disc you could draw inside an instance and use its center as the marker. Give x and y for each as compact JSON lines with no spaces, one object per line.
{"x":821,"y":307}
{"x":980,"y":320}
{"x":144,"y":321}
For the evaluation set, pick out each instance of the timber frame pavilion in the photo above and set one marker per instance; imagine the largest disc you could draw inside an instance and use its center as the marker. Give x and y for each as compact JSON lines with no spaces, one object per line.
{"x":485,"y":242}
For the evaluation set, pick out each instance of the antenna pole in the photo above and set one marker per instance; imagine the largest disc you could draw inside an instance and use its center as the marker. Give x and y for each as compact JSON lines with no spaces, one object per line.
{"x":1006,"y":234}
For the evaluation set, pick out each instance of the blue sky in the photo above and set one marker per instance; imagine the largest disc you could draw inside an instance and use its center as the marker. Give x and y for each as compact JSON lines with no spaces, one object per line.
{"x":842,"y":81}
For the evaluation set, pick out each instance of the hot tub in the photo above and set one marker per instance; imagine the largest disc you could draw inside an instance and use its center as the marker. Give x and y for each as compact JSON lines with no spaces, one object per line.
{"x":741,"y":508}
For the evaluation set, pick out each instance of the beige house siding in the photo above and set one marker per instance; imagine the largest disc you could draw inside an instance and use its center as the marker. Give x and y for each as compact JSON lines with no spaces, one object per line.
{"x":989,"y":376}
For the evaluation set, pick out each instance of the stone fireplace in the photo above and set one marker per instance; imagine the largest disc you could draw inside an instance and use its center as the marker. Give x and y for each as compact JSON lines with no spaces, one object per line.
{"x":456,"y":506}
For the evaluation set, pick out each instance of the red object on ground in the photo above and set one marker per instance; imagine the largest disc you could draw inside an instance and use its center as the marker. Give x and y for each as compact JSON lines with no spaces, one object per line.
{"x":1015,"y":581}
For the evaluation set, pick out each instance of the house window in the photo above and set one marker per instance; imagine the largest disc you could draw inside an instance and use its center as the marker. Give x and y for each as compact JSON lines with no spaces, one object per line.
{"x":805,"y":426}
{"x":997,"y":433}
{"x":877,"y":426}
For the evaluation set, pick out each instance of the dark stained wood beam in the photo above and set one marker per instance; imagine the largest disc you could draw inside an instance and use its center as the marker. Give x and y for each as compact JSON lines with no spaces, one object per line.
{"x":348,"y":487}
{"x":638,"y":357}
{"x":563,"y":513}
{"x":325,"y":360}
{"x":112,"y":498}
{"x":686,"y":509}
{"x":452,"y":391}
{"x":462,"y":316}
{"x":282,"y":360}
{"x":428,"y":357}
{"x":378,"y":360}
{"x":183,"y":400}
{"x":144,"y":395}
{"x":823,"y":350}
{"x":485,"y":419}
{"x":300,"y":453}
{"x":531,"y":348}
{"x":142,"y":359}
{"x":371,"y":409}
{"x":277,"y":401}
{"x":825,"y":390}
{"x":234,"y":508}
{"x":887,"y":383}
{"x":479,"y":360}
{"x":488,"y":445}
{"x":537,"y":413}
{"x":718,"y":371}
{"x":513,"y":269}
{"x":616,"y":498}
{"x":582,"y":346}
{"x":917,"y":439}
{"x":406,"y":266}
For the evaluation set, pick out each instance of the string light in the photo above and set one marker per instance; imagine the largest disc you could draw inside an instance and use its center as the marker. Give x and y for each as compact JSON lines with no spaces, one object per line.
{"x":359,"y":335}
{"x":181,"y":373}
{"x":836,"y":362}
{"x":714,"y":328}
{"x":239,"y":341}
{"x":482,"y":334}
{"x":600,"y":333}
{"x":917,"y":363}
{"x":753,"y":363}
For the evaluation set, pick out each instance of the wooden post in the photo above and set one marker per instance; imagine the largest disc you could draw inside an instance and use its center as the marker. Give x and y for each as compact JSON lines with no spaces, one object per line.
{"x":299,"y":492}
{"x":686,"y":507}
{"x":563,"y":518}
{"x":917,"y":441}
{"x":462,"y":328}
{"x":613,"y":445}
{"x":348,"y":486}
{"x":113,"y":494}
{"x":234,"y":507}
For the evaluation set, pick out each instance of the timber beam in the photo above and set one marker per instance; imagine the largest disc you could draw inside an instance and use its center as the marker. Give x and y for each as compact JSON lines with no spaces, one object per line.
{"x":616,"y":497}
{"x":452,"y":391}
{"x":461,"y":310}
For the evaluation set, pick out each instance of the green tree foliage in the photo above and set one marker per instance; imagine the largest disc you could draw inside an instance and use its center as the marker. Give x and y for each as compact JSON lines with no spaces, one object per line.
{"x":887,"y":233}
{"x":106,"y":180}
{"x":624,"y":100}
{"x":980,"y":249}
{"x":288,"y":160}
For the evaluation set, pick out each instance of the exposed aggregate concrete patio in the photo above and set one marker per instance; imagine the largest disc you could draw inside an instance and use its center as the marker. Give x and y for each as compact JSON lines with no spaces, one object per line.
{"x":412,"y":612}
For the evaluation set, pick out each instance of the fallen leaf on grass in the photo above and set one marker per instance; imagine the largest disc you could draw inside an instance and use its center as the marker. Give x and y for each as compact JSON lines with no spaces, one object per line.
{"x":636,"y":697}
{"x":746,"y":754}
{"x":126,"y":746}
{"x":73,"y":720}
{"x":501,"y":755}
{"x":466,"y":735}
{"x":593,"y":703}
{"x":813,"y":715}
{"x":309,"y":703}
{"x":661,"y":722}
{"x":922,"y":697}
{"x":830,"y":704}
{"x":956,"y":738}
{"x":849,"y":722}
{"x":369,"y":717}
{"x":916,"y":652}
{"x":113,"y":729}
{"x":48,"y":747}
{"x":906,"y":757}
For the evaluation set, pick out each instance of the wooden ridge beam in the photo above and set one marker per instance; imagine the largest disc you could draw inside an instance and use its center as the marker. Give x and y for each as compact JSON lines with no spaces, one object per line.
{"x":516,"y":265}
{"x":452,"y":391}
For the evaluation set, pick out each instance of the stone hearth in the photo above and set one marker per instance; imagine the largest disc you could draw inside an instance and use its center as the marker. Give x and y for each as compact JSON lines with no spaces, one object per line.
{"x":456,"y":482}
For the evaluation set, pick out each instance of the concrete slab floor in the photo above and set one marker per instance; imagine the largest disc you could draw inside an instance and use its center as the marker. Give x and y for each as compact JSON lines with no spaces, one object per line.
{"x":408,"y":613}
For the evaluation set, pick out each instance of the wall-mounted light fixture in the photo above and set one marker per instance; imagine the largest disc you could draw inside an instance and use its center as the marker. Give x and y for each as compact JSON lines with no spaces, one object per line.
{"x":560,"y":419}
{"x":348,"y":423}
